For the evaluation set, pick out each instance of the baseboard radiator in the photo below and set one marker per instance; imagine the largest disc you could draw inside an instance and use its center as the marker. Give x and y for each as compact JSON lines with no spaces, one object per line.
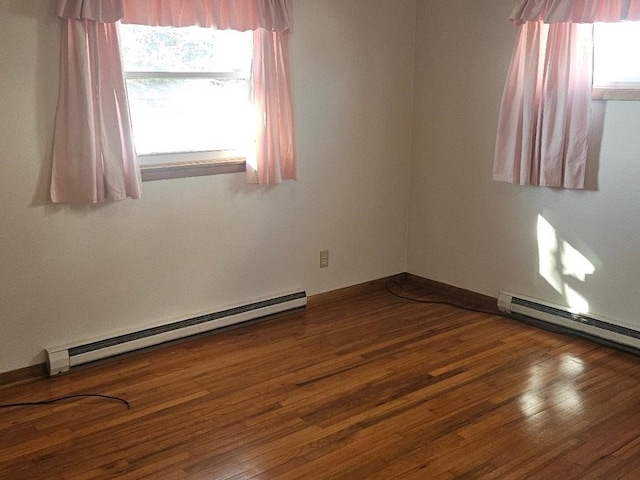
{"x":61,"y":359}
{"x":587,"y":325}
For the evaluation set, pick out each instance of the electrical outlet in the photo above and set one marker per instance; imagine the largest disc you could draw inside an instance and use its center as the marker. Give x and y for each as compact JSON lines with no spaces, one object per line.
{"x":324,"y":258}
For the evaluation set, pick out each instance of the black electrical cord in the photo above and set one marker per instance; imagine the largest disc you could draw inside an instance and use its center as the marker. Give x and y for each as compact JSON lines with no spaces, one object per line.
{"x":440,"y":302}
{"x":66,"y":397}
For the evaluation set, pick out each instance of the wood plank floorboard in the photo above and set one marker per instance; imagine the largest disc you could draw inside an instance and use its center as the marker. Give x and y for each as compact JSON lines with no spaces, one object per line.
{"x":363,"y":387}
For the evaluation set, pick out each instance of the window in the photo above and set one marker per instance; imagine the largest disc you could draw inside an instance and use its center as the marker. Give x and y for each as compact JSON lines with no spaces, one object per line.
{"x":188,"y":91}
{"x":616,"y":73}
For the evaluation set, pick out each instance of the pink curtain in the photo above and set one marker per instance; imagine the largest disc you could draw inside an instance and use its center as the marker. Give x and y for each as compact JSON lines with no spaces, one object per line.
{"x":544,"y":119}
{"x":545,"y":111}
{"x":274,"y":157}
{"x":634,"y":11}
{"x":93,"y":154}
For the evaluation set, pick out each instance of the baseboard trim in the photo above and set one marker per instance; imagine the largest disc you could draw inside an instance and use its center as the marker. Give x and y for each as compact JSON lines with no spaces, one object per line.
{"x":34,"y":372}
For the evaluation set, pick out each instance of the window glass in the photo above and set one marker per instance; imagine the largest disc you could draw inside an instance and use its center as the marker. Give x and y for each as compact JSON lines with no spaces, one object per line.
{"x":188,"y":89}
{"x":616,"y":58}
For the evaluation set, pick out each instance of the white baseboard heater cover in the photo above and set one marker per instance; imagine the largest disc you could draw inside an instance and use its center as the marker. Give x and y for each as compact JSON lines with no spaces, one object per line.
{"x":61,"y":359}
{"x":588,"y":325}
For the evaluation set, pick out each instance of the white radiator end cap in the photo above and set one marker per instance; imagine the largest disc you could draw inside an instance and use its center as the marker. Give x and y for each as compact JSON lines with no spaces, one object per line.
{"x":57,"y":361}
{"x":504,"y":302}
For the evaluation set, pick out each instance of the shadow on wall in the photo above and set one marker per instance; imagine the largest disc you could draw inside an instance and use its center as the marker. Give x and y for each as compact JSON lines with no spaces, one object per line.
{"x":596,"y":129}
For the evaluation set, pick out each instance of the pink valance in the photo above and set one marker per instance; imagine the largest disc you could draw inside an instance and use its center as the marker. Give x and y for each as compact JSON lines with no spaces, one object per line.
{"x":575,"y":11}
{"x":271,"y":15}
{"x":106,"y":11}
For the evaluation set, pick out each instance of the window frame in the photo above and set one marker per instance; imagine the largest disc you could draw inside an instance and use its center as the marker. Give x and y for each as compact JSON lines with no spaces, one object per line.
{"x":169,"y":170}
{"x":616,"y":93}
{"x":165,"y":166}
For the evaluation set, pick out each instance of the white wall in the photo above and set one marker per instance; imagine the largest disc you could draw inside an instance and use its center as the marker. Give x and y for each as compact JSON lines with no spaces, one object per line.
{"x":471,"y":232}
{"x":195,"y":245}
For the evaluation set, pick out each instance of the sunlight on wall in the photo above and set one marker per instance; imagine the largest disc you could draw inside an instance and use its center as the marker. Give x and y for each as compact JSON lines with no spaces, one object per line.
{"x":558,"y":262}
{"x":548,"y":254}
{"x":575,"y":264}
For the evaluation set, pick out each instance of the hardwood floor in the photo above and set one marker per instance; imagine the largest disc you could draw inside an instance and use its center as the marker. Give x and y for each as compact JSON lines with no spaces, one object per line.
{"x":368,"y":387}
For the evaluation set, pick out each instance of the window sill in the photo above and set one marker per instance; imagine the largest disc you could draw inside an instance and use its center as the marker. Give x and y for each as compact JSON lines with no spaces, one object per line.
{"x":616,"y":93}
{"x":164,"y":171}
